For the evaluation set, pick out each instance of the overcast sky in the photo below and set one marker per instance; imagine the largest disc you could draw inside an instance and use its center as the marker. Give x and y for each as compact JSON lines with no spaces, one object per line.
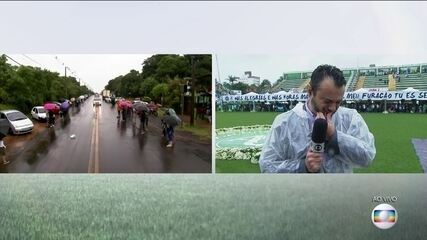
{"x":272,"y":66}
{"x":294,"y":36}
{"x":95,"y":70}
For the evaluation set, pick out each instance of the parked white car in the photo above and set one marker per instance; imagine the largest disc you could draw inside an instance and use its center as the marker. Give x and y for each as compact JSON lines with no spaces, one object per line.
{"x":39,"y":113}
{"x":19,"y":123}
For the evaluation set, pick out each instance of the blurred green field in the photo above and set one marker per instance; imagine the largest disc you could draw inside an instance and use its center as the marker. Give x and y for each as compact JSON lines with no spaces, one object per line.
{"x":205,"y":206}
{"x":392,"y":132}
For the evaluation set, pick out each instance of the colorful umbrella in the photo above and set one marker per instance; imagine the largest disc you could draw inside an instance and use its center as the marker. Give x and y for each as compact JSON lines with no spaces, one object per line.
{"x":139,"y":106}
{"x":122,"y":104}
{"x":129,"y":104}
{"x":171,"y":120}
{"x":51,"y":107}
{"x":64,"y":106}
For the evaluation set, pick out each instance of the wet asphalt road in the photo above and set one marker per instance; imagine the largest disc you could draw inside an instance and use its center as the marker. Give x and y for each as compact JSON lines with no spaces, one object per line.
{"x":105,"y":144}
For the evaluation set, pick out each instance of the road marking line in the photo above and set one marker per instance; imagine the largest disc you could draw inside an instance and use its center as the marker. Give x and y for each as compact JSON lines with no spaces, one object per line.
{"x":92,"y":142}
{"x":94,"y":146}
{"x":97,"y":142}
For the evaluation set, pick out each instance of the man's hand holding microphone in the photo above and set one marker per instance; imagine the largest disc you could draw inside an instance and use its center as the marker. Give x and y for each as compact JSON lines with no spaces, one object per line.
{"x":323,"y":128}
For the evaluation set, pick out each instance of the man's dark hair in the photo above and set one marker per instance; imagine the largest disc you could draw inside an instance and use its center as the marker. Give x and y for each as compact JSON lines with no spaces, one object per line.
{"x":323,"y":71}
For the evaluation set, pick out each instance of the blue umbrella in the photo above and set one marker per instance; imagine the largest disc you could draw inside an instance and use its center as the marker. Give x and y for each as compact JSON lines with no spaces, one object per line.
{"x":65,"y":105}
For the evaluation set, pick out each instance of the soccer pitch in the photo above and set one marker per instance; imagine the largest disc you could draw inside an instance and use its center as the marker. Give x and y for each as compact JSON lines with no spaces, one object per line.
{"x":393,"y":134}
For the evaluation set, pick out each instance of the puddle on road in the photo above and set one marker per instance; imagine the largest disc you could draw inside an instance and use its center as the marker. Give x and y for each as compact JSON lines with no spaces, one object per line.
{"x":38,"y":149}
{"x":41,"y":150}
{"x":65,"y":121}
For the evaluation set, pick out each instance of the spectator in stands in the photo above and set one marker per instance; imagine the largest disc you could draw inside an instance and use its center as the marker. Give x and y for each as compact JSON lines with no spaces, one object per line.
{"x":348,"y":140}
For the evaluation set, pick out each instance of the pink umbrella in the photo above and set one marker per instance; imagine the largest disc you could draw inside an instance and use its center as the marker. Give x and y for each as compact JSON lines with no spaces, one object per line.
{"x":129,"y":104}
{"x":51,"y":107}
{"x":122,"y":104}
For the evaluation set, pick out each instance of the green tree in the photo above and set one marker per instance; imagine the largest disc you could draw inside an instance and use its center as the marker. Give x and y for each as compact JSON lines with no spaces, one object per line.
{"x":242,"y":87}
{"x":160,"y":91}
{"x":24,"y":87}
{"x":231,"y":79}
{"x":147,"y":85}
{"x":265,"y":86}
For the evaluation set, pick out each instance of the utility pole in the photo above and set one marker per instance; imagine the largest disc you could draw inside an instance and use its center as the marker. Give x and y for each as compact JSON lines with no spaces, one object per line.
{"x":193,"y":91}
{"x":66,"y":89}
{"x":182,"y":86}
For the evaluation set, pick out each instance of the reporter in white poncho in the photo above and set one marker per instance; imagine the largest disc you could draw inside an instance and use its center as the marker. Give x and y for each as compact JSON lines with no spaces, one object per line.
{"x":349,"y":142}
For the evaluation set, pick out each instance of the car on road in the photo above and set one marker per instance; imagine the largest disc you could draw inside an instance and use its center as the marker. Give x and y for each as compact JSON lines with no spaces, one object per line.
{"x":39,"y":113}
{"x":19,"y":123}
{"x":97,"y":101}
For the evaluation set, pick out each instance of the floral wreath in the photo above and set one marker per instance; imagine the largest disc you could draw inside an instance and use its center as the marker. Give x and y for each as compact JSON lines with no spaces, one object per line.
{"x":234,"y":153}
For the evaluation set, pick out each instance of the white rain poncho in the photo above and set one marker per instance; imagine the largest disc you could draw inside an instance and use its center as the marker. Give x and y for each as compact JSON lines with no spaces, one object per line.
{"x":289,"y":139}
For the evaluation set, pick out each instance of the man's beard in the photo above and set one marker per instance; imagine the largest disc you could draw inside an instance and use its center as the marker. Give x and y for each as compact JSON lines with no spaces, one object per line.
{"x":314,"y":106}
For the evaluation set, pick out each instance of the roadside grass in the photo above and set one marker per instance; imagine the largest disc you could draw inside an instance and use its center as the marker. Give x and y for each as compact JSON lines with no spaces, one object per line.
{"x":200,"y":131}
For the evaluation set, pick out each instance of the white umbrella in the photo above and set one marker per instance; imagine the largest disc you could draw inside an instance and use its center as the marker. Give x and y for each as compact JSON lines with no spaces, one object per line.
{"x":410,"y":89}
{"x":251,"y":94}
{"x":279,"y":93}
{"x":361,"y":90}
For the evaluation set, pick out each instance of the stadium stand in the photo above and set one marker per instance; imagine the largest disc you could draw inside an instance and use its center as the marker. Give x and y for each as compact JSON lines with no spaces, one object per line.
{"x":351,"y":81}
{"x":359,"y":83}
{"x":366,"y":77}
{"x":380,"y":81}
{"x":304,"y":85}
{"x":391,"y":83}
{"x":288,"y":84}
{"x":417,"y":81}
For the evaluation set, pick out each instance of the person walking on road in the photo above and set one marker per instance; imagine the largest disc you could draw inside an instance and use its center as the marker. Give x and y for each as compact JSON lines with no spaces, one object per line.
{"x":142,"y":117}
{"x":51,"y":118}
{"x":169,"y":122}
{"x":119,"y":109}
{"x":4,"y":129}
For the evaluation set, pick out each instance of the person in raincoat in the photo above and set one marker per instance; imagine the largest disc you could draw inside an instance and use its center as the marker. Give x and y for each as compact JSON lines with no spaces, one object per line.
{"x":4,"y":130}
{"x":50,"y":118}
{"x":119,"y":109}
{"x":3,"y":148}
{"x":142,"y":112}
{"x":349,"y":143}
{"x":142,"y":117}
{"x":169,"y":122}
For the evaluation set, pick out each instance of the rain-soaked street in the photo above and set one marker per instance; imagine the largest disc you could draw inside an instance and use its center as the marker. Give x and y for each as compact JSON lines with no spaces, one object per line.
{"x":103,"y":144}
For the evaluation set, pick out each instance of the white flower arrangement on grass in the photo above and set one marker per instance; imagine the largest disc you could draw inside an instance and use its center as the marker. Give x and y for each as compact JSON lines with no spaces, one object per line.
{"x":251,"y":153}
{"x":239,"y":129}
{"x":245,"y":153}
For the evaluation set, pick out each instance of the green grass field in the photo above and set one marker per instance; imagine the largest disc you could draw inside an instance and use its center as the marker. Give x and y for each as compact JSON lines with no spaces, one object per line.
{"x":392,"y":132}
{"x":179,"y":206}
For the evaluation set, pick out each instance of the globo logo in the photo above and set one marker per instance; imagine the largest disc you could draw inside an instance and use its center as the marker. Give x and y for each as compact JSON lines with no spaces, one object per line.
{"x":384,"y":216}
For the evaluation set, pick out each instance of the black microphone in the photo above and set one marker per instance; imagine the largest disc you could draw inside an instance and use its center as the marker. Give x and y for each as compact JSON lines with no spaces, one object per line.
{"x":318,"y":137}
